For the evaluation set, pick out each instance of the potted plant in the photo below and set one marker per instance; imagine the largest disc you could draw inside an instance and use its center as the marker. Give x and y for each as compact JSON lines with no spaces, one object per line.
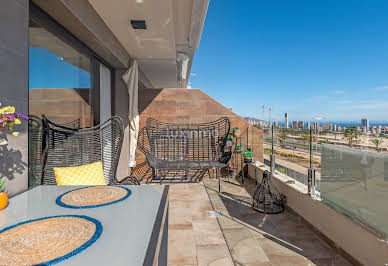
{"x":238,"y":148}
{"x":247,"y":155}
{"x":8,"y":118}
{"x":3,"y":194}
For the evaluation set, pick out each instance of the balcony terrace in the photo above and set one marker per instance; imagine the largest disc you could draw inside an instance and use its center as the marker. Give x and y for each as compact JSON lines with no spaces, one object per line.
{"x":98,"y":70}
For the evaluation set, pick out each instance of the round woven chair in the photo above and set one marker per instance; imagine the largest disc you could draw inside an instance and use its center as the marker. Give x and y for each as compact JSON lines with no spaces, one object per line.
{"x":35,"y":147}
{"x":68,"y":147}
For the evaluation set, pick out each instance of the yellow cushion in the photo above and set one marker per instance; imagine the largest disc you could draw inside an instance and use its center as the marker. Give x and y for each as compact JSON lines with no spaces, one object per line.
{"x":84,"y":175}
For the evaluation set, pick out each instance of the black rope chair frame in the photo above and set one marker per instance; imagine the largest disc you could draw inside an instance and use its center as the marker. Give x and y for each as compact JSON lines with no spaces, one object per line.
{"x":64,"y":146}
{"x":35,"y":147}
{"x":188,"y":146}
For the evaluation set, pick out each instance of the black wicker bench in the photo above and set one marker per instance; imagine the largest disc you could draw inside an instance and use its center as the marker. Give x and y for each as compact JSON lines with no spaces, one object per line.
{"x":188,"y":146}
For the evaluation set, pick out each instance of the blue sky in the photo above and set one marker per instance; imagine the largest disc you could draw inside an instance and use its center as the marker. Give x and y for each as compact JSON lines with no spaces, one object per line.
{"x":48,"y":70}
{"x":326,"y":59}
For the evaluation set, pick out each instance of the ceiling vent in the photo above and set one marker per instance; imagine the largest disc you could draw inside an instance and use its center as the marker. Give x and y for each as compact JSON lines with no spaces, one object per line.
{"x":138,"y":24}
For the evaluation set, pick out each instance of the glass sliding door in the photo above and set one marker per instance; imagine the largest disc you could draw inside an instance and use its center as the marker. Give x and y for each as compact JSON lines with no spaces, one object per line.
{"x":68,"y":83}
{"x":59,"y":88}
{"x":59,"y":79}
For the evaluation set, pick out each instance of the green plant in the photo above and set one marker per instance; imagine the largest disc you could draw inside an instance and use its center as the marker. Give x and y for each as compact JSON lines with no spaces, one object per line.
{"x":3,"y":184}
{"x":351,"y":134}
{"x":377,"y":142}
{"x":282,"y":170}
{"x":247,"y":154}
{"x":238,"y":147}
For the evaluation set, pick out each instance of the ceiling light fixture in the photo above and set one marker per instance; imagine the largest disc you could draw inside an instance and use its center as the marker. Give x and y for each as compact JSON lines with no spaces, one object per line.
{"x":138,"y":24}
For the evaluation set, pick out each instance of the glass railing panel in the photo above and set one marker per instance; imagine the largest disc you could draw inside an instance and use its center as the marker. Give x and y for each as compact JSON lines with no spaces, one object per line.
{"x":355,"y":181}
{"x":291,"y":149}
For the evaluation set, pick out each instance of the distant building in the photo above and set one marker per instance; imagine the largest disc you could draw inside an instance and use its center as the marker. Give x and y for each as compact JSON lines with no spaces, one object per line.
{"x":365,"y":124}
{"x":285,"y":120}
{"x":301,"y":124}
{"x":308,"y":125}
{"x":325,"y":127}
{"x":294,"y":124}
{"x":316,"y":127}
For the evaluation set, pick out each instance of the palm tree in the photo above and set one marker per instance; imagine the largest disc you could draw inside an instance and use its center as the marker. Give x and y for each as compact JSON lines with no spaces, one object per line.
{"x":351,"y":134}
{"x":377,"y":143}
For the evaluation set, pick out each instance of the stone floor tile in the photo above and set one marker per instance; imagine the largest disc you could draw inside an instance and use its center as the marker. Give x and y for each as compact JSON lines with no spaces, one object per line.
{"x":247,"y":252}
{"x":229,"y":223}
{"x":282,"y":260}
{"x":243,"y":246}
{"x":275,"y":246}
{"x":201,"y":208}
{"x":267,"y":263}
{"x":181,"y":248}
{"x":207,"y":232}
{"x":214,"y":255}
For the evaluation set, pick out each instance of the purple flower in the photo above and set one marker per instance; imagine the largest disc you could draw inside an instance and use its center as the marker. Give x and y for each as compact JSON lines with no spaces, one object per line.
{"x":21,"y":116}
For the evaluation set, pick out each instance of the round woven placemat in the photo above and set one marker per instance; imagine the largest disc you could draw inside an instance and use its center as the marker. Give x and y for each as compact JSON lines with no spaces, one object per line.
{"x":91,"y":197}
{"x":47,"y":240}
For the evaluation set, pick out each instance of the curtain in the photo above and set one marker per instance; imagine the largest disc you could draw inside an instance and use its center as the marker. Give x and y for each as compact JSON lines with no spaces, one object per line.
{"x":131,"y":79}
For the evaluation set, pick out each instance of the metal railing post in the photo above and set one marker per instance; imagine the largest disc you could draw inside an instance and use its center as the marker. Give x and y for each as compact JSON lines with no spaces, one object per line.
{"x":311,"y":182}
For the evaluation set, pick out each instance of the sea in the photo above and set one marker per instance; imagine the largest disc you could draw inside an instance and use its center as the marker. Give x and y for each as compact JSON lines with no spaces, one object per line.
{"x":347,"y":123}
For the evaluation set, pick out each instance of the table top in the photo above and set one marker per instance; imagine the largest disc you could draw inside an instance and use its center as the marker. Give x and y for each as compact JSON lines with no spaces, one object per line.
{"x":128,"y":226}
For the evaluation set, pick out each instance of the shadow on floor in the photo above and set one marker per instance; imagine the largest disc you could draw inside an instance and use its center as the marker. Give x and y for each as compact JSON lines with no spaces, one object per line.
{"x":284,"y":233}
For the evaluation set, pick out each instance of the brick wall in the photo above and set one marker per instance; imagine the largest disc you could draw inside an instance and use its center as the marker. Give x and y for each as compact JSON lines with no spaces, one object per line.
{"x":190,"y":106}
{"x":61,"y":105}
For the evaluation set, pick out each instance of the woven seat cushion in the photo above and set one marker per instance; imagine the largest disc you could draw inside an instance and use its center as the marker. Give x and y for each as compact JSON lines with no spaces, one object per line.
{"x":84,"y":175}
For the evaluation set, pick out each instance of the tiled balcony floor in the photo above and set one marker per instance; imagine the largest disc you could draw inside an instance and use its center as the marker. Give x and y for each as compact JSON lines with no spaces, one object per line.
{"x":193,"y":238}
{"x":241,"y":235}
{"x":259,"y":239}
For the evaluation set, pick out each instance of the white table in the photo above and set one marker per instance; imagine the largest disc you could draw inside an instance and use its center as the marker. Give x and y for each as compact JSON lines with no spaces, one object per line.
{"x":132,"y":229}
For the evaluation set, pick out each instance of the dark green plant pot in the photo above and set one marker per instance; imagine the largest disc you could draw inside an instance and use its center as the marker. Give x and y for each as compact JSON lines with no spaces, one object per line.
{"x":247,"y":160}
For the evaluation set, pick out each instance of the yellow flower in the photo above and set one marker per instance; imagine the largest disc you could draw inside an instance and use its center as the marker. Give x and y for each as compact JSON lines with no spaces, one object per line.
{"x":15,"y":134}
{"x":7,"y":110}
{"x":17,"y":121}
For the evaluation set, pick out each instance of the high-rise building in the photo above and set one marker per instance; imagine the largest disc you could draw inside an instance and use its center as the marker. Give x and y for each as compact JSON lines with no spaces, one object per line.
{"x":316,"y":127}
{"x":308,"y":125}
{"x":301,"y":124}
{"x":294,"y":124}
{"x":365,"y":124}
{"x":325,"y":127}
{"x":285,"y":120}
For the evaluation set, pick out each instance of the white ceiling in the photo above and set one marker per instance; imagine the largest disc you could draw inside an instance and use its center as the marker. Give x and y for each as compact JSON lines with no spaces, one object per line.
{"x":169,"y":24}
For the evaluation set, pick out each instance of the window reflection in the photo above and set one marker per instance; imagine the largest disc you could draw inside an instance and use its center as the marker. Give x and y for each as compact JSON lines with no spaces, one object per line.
{"x":59,"y":88}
